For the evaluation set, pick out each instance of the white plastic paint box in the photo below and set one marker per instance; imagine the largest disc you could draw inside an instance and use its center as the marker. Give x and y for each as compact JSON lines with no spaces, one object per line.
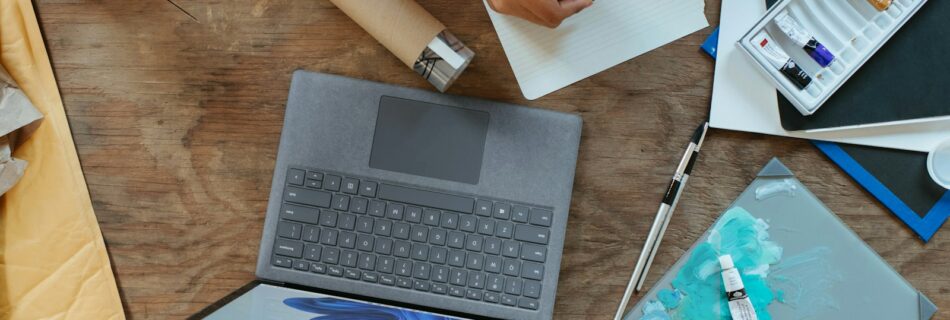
{"x":850,"y":30}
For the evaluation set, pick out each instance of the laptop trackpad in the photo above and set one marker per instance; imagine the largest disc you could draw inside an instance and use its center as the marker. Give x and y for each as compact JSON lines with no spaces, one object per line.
{"x":429,"y":140}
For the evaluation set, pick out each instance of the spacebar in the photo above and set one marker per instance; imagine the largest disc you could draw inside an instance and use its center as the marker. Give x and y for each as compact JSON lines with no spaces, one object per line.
{"x":426,"y":198}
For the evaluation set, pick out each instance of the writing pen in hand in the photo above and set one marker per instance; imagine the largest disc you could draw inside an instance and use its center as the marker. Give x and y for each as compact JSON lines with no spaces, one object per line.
{"x":662,"y":219}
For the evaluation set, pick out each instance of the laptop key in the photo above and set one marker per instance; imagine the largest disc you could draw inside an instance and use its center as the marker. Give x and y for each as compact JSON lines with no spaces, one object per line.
{"x":318,"y":268}
{"x":377,"y":208}
{"x":495,"y":283}
{"x":473,"y":294}
{"x":312,"y":252}
{"x":383,"y":227}
{"x":368,"y":189}
{"x":510,"y":248}
{"x":532,"y":289}
{"x":394,"y":211}
{"x":420,"y":285}
{"x":491,"y":297}
{"x":346,"y":221}
{"x":504,"y":229}
{"x":501,"y":211}
{"x":299,"y":214}
{"x":414,"y":215}
{"x":431,"y":217}
{"x":403,"y":282}
{"x":314,"y":175}
{"x":531,"y":270}
{"x":340,"y":202}
{"x":332,"y":182}
{"x":467,"y":223}
{"x":532,"y":252}
{"x":367,"y":261}
{"x":335,"y":271}
{"x":386,"y":279}
{"x":288,"y":230}
{"x":456,"y":258}
{"x":331,"y":255}
{"x":282,"y":261}
{"x":364,"y":224}
{"x":347,"y":240}
{"x":456,"y":240}
{"x":532,"y":234}
{"x":301,"y":265}
{"x":437,"y":255}
{"x":328,"y":236}
{"x":529,"y":304}
{"x":403,"y":268}
{"x":288,"y":248}
{"x":420,"y":252}
{"x":385,"y":264}
{"x":437,"y":237}
{"x":458,"y":277}
{"x":370,"y":277}
{"x":473,"y":243}
{"x":475,"y":261}
{"x":351,"y":185}
{"x":439,"y":274}
{"x":383,"y":246}
{"x":519,"y":214}
{"x":512,"y":268}
{"x":493,"y":264}
{"x":308,"y":197}
{"x":352,"y":274}
{"x":486,"y":226}
{"x":400,"y":230}
{"x":364,"y":242}
{"x":456,"y":291}
{"x":439,"y":288}
{"x":358,"y":205}
{"x":450,"y":220}
{"x":419,"y":233}
{"x":492,"y":246}
{"x":508,"y":300}
{"x":311,"y":234}
{"x":513,"y":286}
{"x":295,"y":176}
{"x":316,"y":184}
{"x":420,"y":270}
{"x":401,"y":249}
{"x":349,"y":258}
{"x":476,"y":280}
{"x":540,"y":217}
{"x":483,"y":208}
{"x":328,"y":218}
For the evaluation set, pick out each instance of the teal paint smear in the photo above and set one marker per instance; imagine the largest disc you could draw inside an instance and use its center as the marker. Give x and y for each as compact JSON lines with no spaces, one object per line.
{"x":670,"y":298}
{"x":699,"y":283}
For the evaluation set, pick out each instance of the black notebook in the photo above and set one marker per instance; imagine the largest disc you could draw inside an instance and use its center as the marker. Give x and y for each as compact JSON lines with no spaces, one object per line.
{"x":907,"y":79}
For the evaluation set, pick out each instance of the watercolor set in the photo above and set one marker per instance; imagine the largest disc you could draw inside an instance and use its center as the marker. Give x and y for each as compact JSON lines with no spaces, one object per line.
{"x":810,"y":48}
{"x":791,"y":257}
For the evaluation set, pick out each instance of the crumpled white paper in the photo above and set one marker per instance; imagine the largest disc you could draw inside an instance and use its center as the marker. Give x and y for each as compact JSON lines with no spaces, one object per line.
{"x":18,"y":117}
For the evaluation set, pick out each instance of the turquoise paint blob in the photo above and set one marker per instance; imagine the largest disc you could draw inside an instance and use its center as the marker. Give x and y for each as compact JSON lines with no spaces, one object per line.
{"x":699,"y":282}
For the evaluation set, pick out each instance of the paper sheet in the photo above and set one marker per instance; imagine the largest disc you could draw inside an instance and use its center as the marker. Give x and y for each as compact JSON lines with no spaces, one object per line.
{"x":53,"y":261}
{"x":744,"y":100}
{"x":602,"y":36}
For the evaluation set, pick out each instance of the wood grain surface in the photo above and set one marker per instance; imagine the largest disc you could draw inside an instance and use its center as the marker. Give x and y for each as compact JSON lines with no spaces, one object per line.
{"x":177,"y":110}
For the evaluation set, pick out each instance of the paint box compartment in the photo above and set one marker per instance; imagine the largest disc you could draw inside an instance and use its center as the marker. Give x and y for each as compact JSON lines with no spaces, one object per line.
{"x":852,"y":30}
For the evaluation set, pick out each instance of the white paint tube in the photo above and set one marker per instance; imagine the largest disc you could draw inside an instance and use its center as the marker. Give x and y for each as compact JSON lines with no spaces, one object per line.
{"x":740,"y":307}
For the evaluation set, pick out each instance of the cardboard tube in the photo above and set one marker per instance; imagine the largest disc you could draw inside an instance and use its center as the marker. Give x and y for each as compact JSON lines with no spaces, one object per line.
{"x":413,"y":35}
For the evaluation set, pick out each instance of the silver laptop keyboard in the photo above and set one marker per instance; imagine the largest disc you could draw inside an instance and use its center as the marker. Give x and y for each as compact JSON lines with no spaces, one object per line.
{"x":393,"y":235}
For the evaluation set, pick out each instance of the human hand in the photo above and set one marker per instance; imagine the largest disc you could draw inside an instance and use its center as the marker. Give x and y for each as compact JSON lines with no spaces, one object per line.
{"x":548,"y":13}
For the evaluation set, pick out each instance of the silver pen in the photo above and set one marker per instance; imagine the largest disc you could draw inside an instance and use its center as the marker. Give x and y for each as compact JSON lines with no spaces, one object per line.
{"x":662,"y":219}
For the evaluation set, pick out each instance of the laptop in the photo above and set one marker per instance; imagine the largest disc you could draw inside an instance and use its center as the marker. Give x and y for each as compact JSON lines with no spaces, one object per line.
{"x":412,"y":202}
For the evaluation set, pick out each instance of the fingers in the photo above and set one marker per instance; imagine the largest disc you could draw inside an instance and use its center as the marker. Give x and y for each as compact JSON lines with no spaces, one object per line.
{"x":553,"y":12}
{"x":549,"y":13}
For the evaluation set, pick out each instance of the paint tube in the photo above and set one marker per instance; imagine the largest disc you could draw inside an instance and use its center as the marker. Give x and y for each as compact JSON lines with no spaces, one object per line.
{"x":803,"y":38}
{"x":740,"y":307}
{"x":880,"y":5}
{"x":781,"y":61}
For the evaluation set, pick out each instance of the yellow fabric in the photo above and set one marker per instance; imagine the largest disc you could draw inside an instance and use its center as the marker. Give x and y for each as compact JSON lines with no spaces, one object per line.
{"x":53,"y":261}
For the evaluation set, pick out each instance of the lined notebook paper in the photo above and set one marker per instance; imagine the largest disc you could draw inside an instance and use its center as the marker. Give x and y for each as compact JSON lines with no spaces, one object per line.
{"x":602,"y":36}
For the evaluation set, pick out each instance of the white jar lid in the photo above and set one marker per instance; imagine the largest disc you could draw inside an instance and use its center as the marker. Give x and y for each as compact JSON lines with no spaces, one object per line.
{"x":938,"y":163}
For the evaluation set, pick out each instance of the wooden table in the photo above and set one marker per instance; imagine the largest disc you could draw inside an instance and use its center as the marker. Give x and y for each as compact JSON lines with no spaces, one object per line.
{"x":177,"y":112}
